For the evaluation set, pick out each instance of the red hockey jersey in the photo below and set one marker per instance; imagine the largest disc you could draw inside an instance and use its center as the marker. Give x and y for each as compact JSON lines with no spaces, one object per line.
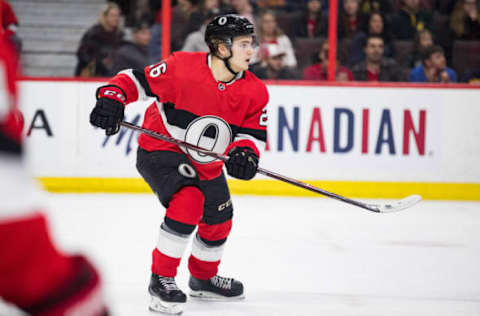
{"x":192,"y":106}
{"x":11,"y":120}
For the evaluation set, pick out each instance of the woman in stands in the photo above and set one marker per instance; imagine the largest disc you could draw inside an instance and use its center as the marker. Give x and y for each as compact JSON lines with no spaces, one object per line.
{"x":311,"y":22}
{"x":465,"y":20}
{"x":350,"y":19}
{"x":269,"y":33}
{"x":98,"y":43}
{"x":423,"y":40}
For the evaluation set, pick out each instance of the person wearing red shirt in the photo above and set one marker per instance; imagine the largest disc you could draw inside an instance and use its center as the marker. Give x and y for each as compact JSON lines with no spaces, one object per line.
{"x":319,"y":70}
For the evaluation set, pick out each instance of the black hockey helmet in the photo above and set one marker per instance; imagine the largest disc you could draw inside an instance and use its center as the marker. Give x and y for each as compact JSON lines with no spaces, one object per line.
{"x":224,"y":28}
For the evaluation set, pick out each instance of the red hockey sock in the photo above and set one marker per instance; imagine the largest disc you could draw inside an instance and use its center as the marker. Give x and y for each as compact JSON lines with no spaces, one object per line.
{"x":164,"y":265}
{"x":202,"y":269}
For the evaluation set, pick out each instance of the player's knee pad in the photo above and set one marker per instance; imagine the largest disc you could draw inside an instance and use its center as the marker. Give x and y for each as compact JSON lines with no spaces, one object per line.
{"x":218,"y":204}
{"x":185,"y":210}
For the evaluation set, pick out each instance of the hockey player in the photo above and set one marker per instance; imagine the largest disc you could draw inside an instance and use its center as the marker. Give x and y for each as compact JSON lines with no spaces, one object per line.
{"x":205,"y":99}
{"x":34,"y":275}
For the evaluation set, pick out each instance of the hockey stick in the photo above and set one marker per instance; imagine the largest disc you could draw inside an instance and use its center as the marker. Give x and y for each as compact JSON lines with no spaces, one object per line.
{"x":378,"y":208}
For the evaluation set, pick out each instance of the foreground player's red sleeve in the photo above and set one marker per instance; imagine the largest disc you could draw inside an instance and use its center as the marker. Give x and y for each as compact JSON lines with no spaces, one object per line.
{"x":153,"y":81}
{"x":9,"y":18}
{"x":11,"y":119}
{"x":253,"y":130}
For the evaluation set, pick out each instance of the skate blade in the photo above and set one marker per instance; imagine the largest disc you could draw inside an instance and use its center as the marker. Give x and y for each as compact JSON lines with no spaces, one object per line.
{"x":169,"y":308}
{"x":210,"y":296}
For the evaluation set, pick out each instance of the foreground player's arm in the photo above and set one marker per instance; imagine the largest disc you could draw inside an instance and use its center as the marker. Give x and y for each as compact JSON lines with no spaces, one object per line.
{"x":128,"y":86}
{"x":244,"y":151}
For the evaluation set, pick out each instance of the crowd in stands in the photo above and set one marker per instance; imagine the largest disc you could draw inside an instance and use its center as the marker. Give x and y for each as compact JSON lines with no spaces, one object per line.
{"x":378,"y":40}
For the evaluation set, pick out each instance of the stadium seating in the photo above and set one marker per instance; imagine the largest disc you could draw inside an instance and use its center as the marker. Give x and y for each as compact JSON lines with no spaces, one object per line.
{"x":466,"y":55}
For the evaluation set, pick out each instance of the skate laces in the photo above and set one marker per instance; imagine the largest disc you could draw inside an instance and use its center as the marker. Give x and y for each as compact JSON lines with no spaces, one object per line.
{"x":221,"y":282}
{"x":168,"y":283}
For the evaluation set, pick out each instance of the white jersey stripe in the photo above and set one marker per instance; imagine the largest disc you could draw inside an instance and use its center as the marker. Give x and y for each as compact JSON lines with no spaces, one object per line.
{"x":142,"y":96}
{"x":206,"y":253}
{"x":170,"y":244}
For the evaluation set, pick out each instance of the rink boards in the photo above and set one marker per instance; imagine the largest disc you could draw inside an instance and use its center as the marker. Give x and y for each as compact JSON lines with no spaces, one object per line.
{"x":360,"y":141}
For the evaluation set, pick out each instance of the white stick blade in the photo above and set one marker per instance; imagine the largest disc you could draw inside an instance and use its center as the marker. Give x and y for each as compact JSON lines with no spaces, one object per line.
{"x":407,"y":202}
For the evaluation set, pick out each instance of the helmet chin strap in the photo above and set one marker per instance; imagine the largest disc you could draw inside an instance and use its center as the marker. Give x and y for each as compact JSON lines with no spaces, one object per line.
{"x":226,"y":61}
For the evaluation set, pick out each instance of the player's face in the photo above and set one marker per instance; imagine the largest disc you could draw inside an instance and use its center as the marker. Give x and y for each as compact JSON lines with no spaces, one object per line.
{"x":242,"y":50}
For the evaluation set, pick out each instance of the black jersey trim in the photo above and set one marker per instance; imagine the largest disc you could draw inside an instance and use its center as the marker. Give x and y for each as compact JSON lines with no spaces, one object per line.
{"x":140,"y":76}
{"x":213,"y":243}
{"x":257,"y":133}
{"x":178,"y":227}
{"x":182,"y":118}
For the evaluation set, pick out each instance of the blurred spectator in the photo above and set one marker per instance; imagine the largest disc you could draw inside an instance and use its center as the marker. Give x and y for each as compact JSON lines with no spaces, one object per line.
{"x":385,"y":7}
{"x":443,"y":6}
{"x":244,"y":8}
{"x":312,"y":23}
{"x":200,"y":10}
{"x":375,"y":26}
{"x":9,"y":25}
{"x":272,"y":65}
{"x":128,"y":9}
{"x":423,"y":40}
{"x":271,"y":4}
{"x":319,"y":70}
{"x":298,"y":5}
{"x":155,"y":45}
{"x":434,"y":67}
{"x":465,"y":20}
{"x":376,"y":67}
{"x":410,"y":19}
{"x":133,"y":54}
{"x":98,"y":43}
{"x":471,"y":76}
{"x":268,"y":32}
{"x":195,"y":41}
{"x":350,"y":19}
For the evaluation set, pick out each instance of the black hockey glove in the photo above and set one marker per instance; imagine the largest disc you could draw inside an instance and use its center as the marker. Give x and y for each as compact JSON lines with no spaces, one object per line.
{"x":242,"y":164}
{"x":109,"y":109}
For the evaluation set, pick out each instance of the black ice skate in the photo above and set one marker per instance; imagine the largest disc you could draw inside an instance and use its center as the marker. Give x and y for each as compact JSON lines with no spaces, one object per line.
{"x":216,"y":288}
{"x":167,"y":298}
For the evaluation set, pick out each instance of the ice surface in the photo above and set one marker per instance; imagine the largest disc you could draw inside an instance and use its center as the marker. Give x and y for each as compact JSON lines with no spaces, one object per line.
{"x":295,"y":256}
